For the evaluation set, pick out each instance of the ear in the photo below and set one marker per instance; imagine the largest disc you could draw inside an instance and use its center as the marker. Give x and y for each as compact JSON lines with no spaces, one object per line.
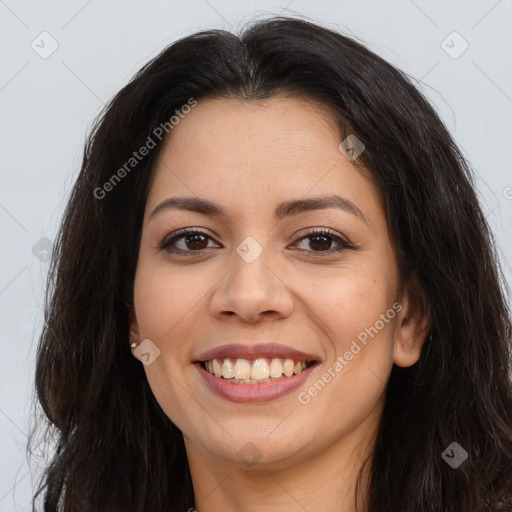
{"x":412,"y":327}
{"x":134,"y":328}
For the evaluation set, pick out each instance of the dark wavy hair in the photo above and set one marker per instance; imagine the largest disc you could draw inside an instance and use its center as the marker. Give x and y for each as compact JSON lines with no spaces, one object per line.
{"x":115,"y":448}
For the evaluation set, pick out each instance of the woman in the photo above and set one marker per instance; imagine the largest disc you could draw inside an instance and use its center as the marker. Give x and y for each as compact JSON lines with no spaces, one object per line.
{"x":274,"y":288}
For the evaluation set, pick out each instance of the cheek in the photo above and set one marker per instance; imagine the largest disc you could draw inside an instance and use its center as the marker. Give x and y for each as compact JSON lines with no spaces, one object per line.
{"x":357,"y":323}
{"x":350,"y":303}
{"x":166,"y":301}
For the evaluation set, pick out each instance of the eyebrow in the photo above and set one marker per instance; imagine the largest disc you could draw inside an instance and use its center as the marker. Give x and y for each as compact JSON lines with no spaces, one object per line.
{"x":287,"y":208}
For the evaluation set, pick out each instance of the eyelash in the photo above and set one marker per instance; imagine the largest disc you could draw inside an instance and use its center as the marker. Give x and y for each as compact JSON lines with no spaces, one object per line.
{"x":168,"y":241}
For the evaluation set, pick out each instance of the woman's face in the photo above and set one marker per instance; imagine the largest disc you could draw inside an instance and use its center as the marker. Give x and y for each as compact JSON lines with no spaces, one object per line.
{"x":287,"y":263}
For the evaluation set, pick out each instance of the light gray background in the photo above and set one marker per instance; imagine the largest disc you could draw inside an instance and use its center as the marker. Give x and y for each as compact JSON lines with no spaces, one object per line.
{"x":47,"y":106}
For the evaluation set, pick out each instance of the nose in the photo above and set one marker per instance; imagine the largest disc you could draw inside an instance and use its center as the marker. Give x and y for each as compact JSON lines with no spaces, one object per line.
{"x":252,"y":292}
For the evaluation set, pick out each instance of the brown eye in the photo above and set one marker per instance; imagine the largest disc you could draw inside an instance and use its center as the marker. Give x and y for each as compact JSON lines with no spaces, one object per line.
{"x":187,"y":241}
{"x":195,"y":242}
{"x":322,"y":241}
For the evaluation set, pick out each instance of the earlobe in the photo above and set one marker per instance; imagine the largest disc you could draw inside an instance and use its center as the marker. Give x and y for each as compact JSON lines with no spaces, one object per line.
{"x":134,"y":329}
{"x":413,"y":325}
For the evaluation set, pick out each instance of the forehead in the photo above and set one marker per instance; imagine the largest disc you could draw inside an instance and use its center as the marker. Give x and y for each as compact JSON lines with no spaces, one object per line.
{"x":232,"y":131}
{"x":278,"y":148}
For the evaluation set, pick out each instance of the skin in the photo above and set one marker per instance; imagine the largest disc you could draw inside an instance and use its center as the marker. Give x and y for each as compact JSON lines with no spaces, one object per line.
{"x":247,"y":157}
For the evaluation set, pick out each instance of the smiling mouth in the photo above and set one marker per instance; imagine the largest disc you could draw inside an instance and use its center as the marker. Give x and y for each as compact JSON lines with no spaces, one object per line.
{"x":255,"y":371}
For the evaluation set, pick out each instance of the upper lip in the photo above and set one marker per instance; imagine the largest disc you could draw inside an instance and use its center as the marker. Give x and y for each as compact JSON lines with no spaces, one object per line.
{"x":239,"y":351}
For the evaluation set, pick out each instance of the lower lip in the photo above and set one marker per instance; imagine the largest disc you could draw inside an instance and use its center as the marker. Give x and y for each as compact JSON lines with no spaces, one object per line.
{"x":245,"y":393}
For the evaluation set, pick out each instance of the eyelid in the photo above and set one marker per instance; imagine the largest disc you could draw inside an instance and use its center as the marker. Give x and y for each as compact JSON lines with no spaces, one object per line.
{"x":187,"y":230}
{"x":324,"y":231}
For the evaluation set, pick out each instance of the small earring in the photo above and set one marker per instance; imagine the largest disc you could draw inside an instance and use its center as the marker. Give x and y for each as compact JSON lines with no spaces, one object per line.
{"x":412,"y":349}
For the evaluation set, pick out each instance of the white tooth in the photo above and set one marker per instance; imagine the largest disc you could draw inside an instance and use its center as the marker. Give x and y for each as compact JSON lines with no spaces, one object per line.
{"x":276,"y":368}
{"x":297,"y":368}
{"x":209,"y":366}
{"x":227,"y":369}
{"x":217,"y":368}
{"x":303,"y":365}
{"x":242,"y":369}
{"x":288,"y":367}
{"x":259,"y":369}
